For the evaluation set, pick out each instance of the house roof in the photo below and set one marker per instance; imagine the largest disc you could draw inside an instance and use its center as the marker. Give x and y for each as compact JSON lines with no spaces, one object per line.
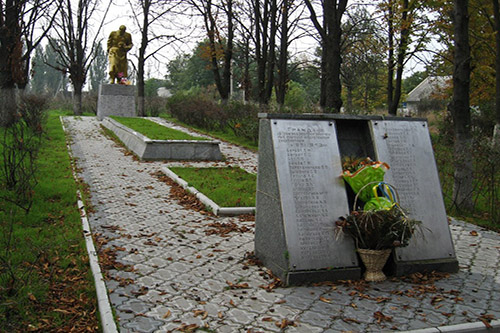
{"x":428,"y":86}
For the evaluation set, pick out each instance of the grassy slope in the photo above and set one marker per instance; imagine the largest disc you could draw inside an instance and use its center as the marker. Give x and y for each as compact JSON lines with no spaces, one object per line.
{"x":216,"y":183}
{"x":153,"y":130}
{"x":54,"y":284}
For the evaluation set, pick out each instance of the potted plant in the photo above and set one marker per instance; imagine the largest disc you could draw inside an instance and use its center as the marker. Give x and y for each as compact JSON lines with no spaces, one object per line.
{"x":381,"y":224}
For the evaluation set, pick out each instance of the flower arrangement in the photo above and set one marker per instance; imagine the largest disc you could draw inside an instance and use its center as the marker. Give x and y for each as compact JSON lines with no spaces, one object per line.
{"x":122,"y":79}
{"x":381,"y":224}
{"x":378,"y":229}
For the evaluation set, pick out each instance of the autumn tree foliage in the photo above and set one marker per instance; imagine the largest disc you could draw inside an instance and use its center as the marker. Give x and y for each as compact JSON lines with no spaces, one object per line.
{"x":220,"y":43}
{"x":408,"y":33}
{"x":363,"y":62}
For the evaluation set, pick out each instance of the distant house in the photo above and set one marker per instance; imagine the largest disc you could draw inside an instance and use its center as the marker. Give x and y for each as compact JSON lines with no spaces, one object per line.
{"x":163,"y":92}
{"x":422,"y":97}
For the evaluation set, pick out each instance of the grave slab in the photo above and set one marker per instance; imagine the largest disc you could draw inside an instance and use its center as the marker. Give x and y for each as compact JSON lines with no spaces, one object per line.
{"x":299,"y":197}
{"x":116,"y":100}
{"x":147,"y":149}
{"x":406,"y":146}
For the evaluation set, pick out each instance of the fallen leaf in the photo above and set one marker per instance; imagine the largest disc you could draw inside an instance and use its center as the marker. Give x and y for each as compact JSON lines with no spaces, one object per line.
{"x":267,"y":319}
{"x":326,"y":300}
{"x":167,"y":314}
{"x":380,"y":317}
{"x":473,"y":233}
{"x":198,"y":312}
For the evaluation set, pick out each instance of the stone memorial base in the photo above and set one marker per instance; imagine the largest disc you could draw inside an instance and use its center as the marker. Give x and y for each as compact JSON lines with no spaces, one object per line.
{"x":300,"y":194}
{"x":147,"y":149}
{"x":116,"y":100}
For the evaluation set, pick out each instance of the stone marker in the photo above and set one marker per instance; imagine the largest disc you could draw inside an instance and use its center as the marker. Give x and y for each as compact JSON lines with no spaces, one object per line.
{"x":407,"y":148}
{"x":300,"y":193}
{"x":116,"y":100}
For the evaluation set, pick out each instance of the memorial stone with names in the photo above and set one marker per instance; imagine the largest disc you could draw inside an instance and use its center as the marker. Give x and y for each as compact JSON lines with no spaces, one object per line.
{"x":407,"y":148}
{"x":310,"y":192}
{"x":300,"y":194}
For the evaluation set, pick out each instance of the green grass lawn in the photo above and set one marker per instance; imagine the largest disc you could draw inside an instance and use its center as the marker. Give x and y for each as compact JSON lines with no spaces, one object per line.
{"x":228,"y":135}
{"x":153,"y":130}
{"x":227,"y":187}
{"x":45,"y":279}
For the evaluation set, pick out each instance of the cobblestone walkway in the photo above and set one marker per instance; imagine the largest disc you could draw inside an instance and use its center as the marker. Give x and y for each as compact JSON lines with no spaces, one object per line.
{"x":181,"y":278}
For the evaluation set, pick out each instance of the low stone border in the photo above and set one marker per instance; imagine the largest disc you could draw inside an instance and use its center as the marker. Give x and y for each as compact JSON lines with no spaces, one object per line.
{"x":147,"y":149}
{"x":216,"y":209}
{"x":462,"y":328}
{"x":106,"y":314}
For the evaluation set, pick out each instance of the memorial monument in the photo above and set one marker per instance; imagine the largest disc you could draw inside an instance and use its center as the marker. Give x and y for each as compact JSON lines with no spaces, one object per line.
{"x":119,"y":43}
{"x":300,"y":194}
{"x":117,"y":99}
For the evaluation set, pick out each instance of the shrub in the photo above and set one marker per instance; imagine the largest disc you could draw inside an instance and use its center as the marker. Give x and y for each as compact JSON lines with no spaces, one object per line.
{"x":243,"y":119}
{"x":486,"y":193}
{"x":89,"y":103}
{"x":154,"y":106}
{"x":195,"y":108}
{"x":19,"y":148}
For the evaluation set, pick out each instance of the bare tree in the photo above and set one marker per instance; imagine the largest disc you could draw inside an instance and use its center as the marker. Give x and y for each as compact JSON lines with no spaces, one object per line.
{"x":460,"y":108}
{"x":330,"y":32}
{"x":221,"y":46}
{"x":408,"y":32}
{"x":73,"y":40}
{"x":19,"y":19}
{"x":265,"y":14}
{"x":150,"y":17}
{"x":496,"y":18}
{"x":290,"y":17}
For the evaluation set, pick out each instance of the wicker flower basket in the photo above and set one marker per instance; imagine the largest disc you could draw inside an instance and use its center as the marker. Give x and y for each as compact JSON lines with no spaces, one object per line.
{"x":374,"y":261}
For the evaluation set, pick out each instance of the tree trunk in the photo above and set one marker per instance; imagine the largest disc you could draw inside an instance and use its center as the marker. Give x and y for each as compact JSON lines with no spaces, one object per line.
{"x":271,"y":60}
{"x":390,"y":57}
{"x":460,"y":108}
{"x":8,"y":106}
{"x":349,"y":106}
{"x":282,"y":64}
{"x":141,"y":110}
{"x":265,"y":34}
{"x":11,"y":48}
{"x":331,"y":33}
{"x":228,"y":53}
{"x":496,"y":132}
{"x":77,"y":98}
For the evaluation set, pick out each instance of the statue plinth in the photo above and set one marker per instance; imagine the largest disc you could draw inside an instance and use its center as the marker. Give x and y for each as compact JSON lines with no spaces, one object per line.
{"x":116,"y":100}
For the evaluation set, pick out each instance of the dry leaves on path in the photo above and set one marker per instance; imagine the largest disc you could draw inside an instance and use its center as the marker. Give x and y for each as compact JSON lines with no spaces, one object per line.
{"x":185,"y":198}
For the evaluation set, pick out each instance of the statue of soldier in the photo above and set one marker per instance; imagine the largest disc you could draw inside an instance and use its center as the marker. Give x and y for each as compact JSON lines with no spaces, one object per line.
{"x":119,"y":43}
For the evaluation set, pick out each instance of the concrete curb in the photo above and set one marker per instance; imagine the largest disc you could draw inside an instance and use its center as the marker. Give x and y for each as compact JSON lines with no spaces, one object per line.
{"x":148,"y":149}
{"x":462,"y":328}
{"x":216,"y":209}
{"x":105,"y":312}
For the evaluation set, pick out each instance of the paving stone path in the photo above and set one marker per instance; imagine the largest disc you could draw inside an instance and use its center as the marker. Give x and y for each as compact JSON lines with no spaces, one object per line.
{"x":179,"y":277}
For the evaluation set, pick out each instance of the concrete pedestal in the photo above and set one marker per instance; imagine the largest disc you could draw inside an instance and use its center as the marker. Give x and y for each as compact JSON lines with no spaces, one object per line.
{"x":116,"y":100}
